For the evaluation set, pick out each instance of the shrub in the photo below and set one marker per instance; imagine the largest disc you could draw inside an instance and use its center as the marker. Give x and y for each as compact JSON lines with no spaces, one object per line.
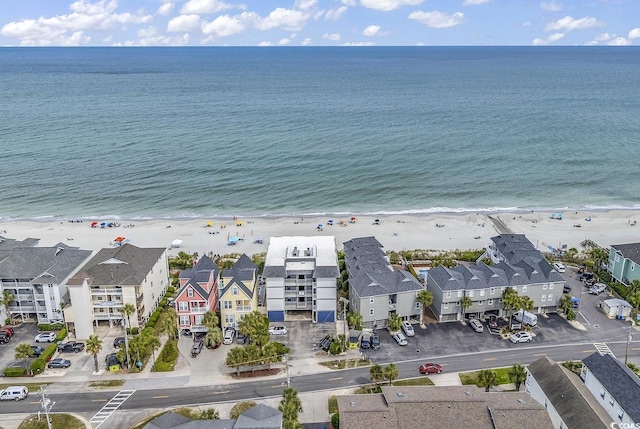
{"x":50,"y":327}
{"x":171,"y":290}
{"x":15,"y":371}
{"x":61,"y":335}
{"x":240,"y":408}
{"x":335,"y":348}
{"x":571,"y":315}
{"x":335,"y":421}
{"x":37,"y":366}
{"x":133,"y":331}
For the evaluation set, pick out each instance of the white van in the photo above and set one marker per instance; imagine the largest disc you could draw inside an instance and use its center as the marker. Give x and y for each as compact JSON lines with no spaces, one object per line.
{"x":14,"y":393}
{"x":559,"y":267}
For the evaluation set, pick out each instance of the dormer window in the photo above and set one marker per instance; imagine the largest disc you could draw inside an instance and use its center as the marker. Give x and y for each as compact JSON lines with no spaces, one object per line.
{"x":189,"y":292}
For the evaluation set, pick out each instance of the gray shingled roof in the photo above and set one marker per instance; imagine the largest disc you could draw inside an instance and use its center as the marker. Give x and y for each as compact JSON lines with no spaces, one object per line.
{"x":630,"y":251}
{"x":274,"y":271}
{"x":11,"y":243}
{"x":520,"y":253}
{"x":571,"y":399}
{"x":259,"y":417}
{"x":243,"y":271}
{"x":200,"y":273}
{"x":618,"y":380}
{"x":367,"y":284}
{"x":123,"y":265}
{"x":33,"y":262}
{"x":167,"y":421}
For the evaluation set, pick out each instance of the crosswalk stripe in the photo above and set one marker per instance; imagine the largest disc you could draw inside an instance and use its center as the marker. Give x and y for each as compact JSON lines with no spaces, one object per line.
{"x":110,"y":407}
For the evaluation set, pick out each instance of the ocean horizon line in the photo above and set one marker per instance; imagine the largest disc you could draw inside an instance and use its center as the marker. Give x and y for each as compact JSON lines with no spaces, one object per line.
{"x":337,"y":215}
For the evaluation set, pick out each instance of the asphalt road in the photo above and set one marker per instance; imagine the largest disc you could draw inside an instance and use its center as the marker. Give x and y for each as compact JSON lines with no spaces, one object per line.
{"x":91,"y":402}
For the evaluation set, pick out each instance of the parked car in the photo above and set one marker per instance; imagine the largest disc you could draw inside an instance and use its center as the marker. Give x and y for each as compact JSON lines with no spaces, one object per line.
{"x":112,"y":359}
{"x":229,"y":334}
{"x":4,"y":339}
{"x":493,"y":322}
{"x":590,"y":282}
{"x":118,"y":341}
{"x":430,"y":368}
{"x":520,"y":337}
{"x":566,"y":289}
{"x":196,"y":348}
{"x":45,"y":337}
{"x":375,"y":341}
{"x":325,"y":342}
{"x":59,"y":363}
{"x":70,"y":347}
{"x":7,"y":330}
{"x":597,"y":288}
{"x":241,"y":338}
{"x":365,"y":341}
{"x":476,"y":325}
{"x":37,"y":351}
{"x":400,"y":339}
{"x":559,"y":267}
{"x":278,"y":330}
{"x":586,"y":276}
{"x":171,"y":302}
{"x":186,"y":332}
{"x":408,"y":329}
{"x":14,"y":393}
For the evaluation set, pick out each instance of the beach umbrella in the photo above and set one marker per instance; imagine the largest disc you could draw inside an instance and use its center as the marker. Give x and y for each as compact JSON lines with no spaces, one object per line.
{"x":239,"y":223}
{"x":94,"y":224}
{"x":103,"y":224}
{"x":209,"y":225}
{"x":330,"y":222}
{"x":119,"y":239}
{"x":376,"y":222}
{"x":353,"y":219}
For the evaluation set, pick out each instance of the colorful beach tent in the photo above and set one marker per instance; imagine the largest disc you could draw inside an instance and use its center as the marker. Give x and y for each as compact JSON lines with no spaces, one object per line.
{"x":119,"y":239}
{"x":330,"y":222}
{"x":94,"y":224}
{"x":208,"y":224}
{"x":176,"y":243}
{"x":353,"y":220}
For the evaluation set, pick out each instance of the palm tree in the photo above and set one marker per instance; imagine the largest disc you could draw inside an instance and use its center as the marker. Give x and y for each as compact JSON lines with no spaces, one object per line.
{"x":152,"y":342}
{"x":526,"y":303}
{"x":127,"y":310}
{"x":255,"y":325}
{"x":566,"y":304}
{"x":213,"y":338}
{"x":290,"y":406}
{"x":5,"y":300}
{"x":236,"y":358}
{"x":354,"y":320}
{"x":517,"y":375}
{"x":24,"y":351}
{"x":94,"y":345}
{"x":634,"y":299}
{"x":394,"y":322}
{"x":425,"y":298}
{"x":634,"y":286}
{"x":598,"y":255}
{"x":487,"y":379}
{"x":210,"y":320}
{"x":390,"y":372}
{"x":376,"y":374}
{"x":170,"y":324}
{"x":510,"y":302}
{"x":465,"y":303}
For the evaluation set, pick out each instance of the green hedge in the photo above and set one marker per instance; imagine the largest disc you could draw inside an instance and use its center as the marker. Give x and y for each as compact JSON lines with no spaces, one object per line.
{"x":38,"y":364}
{"x":50,"y":327}
{"x":15,"y":371}
{"x":171,"y":290}
{"x":133,"y":331}
{"x":61,"y":335}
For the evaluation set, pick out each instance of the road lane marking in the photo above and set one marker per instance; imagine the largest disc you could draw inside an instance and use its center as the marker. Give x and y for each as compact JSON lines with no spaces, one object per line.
{"x":279,"y":386}
{"x":539,"y":354}
{"x":635,"y":348}
{"x":335,"y":378}
{"x":220,"y":393}
{"x":587,"y":351}
{"x":488,"y":359}
{"x":94,"y":400}
{"x":585,"y":319}
{"x":603,"y":349}
{"x":160,"y":397}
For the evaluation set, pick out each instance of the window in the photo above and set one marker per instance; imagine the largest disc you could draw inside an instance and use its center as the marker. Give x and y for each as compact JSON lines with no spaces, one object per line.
{"x":198,"y":319}
{"x":617,"y":258}
{"x":524,"y":288}
{"x":227,"y":304}
{"x":620,"y":413}
{"x":544,"y":298}
{"x":550,"y":285}
{"x":550,"y":297}
{"x":459,"y":294}
{"x":470,"y":294}
{"x":489,"y":302}
{"x":602,"y":393}
{"x":371,"y":312}
{"x":448,"y":294}
{"x":633,"y":266}
{"x":446,"y":305}
{"x":611,"y":401}
{"x":544,"y":286}
{"x":417,"y":306}
{"x":229,"y":319}
{"x":184,"y":320}
{"x":371,"y":299}
{"x":458,"y":304}
{"x":492,"y":291}
{"x":481,"y":292}
{"x":183,"y":306}
{"x":235,"y":291}
{"x":189,"y":292}
{"x":480,"y":302}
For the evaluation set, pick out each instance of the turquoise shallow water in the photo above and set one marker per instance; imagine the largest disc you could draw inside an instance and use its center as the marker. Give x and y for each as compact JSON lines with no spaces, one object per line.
{"x":191,"y":132}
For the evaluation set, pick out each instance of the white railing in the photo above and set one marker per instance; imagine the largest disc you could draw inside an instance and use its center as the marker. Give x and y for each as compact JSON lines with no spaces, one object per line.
{"x":198,"y":310}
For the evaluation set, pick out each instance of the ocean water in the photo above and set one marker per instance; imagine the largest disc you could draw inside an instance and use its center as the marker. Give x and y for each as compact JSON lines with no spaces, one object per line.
{"x":202,"y":132}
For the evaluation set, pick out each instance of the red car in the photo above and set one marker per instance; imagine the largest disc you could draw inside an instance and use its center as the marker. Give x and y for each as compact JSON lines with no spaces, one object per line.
{"x":430,"y":368}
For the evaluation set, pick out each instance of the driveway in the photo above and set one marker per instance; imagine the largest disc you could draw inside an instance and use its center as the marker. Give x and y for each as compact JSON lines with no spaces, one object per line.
{"x":24,"y":333}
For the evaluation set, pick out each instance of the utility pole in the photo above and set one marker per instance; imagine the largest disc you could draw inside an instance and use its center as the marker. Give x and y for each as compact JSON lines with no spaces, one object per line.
{"x":47,"y":404}
{"x":126,"y":344}
{"x":345,"y":304}
{"x":286,"y":364}
{"x":626,"y":353}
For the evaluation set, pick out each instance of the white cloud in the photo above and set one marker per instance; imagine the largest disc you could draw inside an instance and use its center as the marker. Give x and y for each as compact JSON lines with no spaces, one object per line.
{"x":226,"y":25}
{"x":100,"y":7}
{"x":526,"y":24}
{"x":371,"y":30}
{"x":204,"y":7}
{"x":552,"y":38}
{"x":437,"y":19}
{"x":551,"y":6}
{"x":306,"y":41}
{"x":265,"y":44}
{"x":289,"y":19}
{"x":334,"y":14}
{"x":634,"y":34}
{"x":387,"y":5}
{"x":568,"y":23}
{"x":359,"y":44}
{"x":619,"y":41}
{"x":284,"y":41}
{"x":473,"y":2}
{"x":184,"y":23}
{"x":604,"y":37}
{"x":305,"y":4}
{"x":333,"y":37}
{"x":351,"y":3}
{"x":166,"y":8}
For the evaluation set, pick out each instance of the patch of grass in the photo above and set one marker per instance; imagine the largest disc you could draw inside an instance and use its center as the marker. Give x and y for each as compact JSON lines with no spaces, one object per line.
{"x":333,"y":405}
{"x":66,"y":421}
{"x":502,"y":376}
{"x":142,"y":423}
{"x":33,"y":387}
{"x":346,"y":363}
{"x":422,"y":381}
{"x":106,"y":383}
{"x":364,"y":390}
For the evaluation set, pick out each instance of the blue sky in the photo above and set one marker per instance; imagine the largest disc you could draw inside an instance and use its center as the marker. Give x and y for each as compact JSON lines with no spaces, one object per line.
{"x":319,"y":22}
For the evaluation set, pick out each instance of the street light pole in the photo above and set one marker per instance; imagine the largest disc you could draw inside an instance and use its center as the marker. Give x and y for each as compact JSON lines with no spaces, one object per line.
{"x":626,"y":353}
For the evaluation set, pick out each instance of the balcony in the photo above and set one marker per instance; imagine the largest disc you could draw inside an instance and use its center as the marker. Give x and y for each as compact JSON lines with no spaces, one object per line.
{"x":39,"y":296}
{"x":105,"y":291}
{"x":23,"y":296}
{"x":107,"y":303}
{"x":198,"y":310}
{"x":139,"y":299}
{"x":392,"y":306}
{"x":19,"y":308}
{"x":107,"y":316}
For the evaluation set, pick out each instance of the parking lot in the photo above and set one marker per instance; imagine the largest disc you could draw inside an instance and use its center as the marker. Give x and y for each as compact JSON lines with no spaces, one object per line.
{"x":22,"y":334}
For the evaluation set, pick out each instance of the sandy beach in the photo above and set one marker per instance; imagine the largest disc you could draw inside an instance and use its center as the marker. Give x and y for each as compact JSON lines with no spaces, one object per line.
{"x":397,"y":232}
